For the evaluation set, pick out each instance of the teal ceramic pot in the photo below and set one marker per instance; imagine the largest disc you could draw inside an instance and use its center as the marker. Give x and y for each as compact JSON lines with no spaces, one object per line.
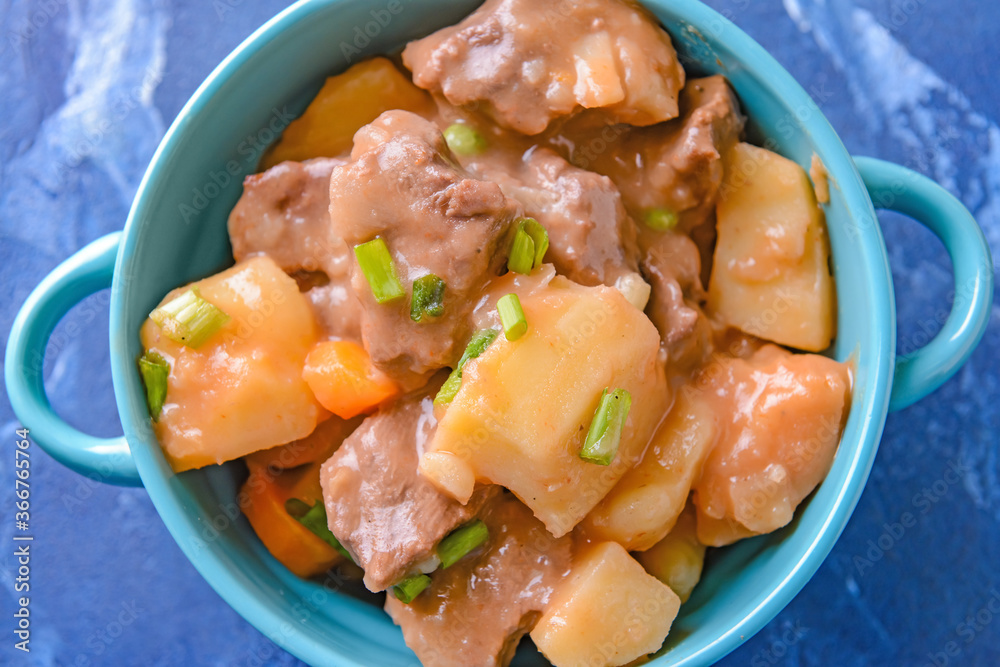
{"x":176,"y":232}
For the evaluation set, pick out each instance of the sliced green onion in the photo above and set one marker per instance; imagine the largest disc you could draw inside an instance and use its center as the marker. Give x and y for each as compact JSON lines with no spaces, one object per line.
{"x":409,"y":588}
{"x":314,"y":518}
{"x":450,"y":550}
{"x":661,"y":219}
{"x":380,"y":272}
{"x":463,"y":139}
{"x":477,"y":345}
{"x":461,"y":541}
{"x":188,"y":319}
{"x":428,"y":298}
{"x":512,"y":317}
{"x":154,"y":370}
{"x":522,"y":252}
{"x":605,"y":431}
{"x":480,"y":341}
{"x":539,"y":236}
{"x":531,"y":242}
{"x":450,"y":387}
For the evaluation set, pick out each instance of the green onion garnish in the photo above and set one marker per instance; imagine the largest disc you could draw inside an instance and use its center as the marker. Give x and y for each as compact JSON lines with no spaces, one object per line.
{"x":605,"y":431}
{"x":522,"y":252}
{"x":188,"y":319}
{"x":531,"y":242}
{"x":661,"y":219}
{"x":539,"y":236}
{"x":428,"y":297}
{"x":480,"y":341}
{"x":376,"y":264}
{"x":154,"y":370}
{"x":464,"y":140}
{"x":512,"y":317}
{"x":314,"y":518}
{"x":411,"y":587}
{"x":477,"y":345}
{"x":461,"y":541}
{"x":450,"y":387}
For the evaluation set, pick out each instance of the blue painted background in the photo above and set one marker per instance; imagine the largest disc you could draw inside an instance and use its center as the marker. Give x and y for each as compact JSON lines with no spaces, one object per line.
{"x":906,"y":80}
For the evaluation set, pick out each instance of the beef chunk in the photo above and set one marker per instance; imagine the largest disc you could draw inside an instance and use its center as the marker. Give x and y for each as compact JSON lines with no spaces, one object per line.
{"x":284,"y":214}
{"x":592,"y":239}
{"x":377,"y":503}
{"x":527,"y":63}
{"x":672,"y":266}
{"x":402,"y":184}
{"x":337,"y":309}
{"x":474,"y":613}
{"x":677,"y":165}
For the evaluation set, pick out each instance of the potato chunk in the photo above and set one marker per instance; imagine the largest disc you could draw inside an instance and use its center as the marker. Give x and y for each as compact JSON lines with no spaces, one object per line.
{"x":524,"y":408}
{"x":678,"y":558}
{"x":644,"y":505}
{"x":242,"y":390}
{"x":345,"y":104}
{"x":770,"y":276}
{"x":781,"y":416}
{"x":608,"y":612}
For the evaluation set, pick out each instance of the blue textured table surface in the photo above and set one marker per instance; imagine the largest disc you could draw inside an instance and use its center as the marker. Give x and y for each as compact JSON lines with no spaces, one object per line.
{"x":907,"y":80}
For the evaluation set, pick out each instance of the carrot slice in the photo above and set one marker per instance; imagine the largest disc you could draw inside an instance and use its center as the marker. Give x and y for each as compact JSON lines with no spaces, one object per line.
{"x":263,"y":499}
{"x":344,"y":379}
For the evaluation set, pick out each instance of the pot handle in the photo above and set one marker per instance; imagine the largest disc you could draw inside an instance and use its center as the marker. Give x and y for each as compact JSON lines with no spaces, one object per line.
{"x":903,"y":190}
{"x":89,"y":270}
